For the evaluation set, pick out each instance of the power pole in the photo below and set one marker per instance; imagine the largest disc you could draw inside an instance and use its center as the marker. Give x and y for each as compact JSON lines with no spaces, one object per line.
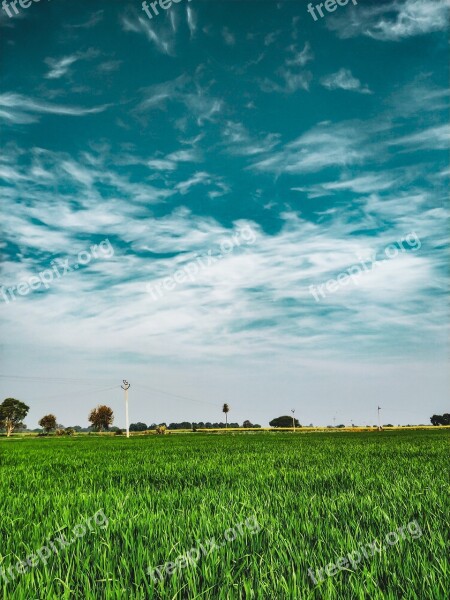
{"x":126,"y":387}
{"x":379,"y":423}
{"x":293,"y":419}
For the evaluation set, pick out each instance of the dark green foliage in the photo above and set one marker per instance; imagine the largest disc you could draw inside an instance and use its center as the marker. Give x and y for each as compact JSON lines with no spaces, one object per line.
{"x":284,"y":421}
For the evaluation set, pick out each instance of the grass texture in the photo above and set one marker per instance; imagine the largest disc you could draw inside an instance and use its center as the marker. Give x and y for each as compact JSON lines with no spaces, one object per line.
{"x":316,"y":497}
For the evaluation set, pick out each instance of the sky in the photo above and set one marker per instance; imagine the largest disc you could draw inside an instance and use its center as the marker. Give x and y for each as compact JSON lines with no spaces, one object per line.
{"x":233,"y":201}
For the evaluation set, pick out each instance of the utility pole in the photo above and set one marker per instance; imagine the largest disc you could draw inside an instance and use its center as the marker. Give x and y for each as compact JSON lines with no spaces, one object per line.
{"x":334,"y":422}
{"x":293,"y":419}
{"x":126,"y":387}
{"x":379,"y":423}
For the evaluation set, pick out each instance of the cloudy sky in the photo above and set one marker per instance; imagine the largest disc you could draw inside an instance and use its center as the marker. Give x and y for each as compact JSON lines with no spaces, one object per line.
{"x":292,"y":148}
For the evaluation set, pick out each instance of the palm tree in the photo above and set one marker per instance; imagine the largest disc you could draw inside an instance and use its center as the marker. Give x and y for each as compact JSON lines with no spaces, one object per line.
{"x":226,"y":410}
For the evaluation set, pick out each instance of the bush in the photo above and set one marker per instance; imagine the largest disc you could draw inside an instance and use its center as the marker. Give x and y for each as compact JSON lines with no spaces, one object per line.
{"x":161,"y":430}
{"x":60,"y":432}
{"x":70,"y":431}
{"x":118,"y":432}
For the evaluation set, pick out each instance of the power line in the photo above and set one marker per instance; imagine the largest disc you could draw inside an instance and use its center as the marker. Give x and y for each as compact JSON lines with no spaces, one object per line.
{"x":68,"y":380}
{"x":96,"y":391}
{"x":175,"y":395}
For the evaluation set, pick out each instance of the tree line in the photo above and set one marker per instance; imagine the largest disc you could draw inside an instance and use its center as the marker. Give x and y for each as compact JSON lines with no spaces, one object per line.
{"x":101,"y":418}
{"x":13,"y":412}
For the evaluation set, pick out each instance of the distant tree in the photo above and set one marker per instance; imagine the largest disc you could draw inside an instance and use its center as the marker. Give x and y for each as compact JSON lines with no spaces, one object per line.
{"x":249,"y":425}
{"x":284,"y":421}
{"x":138,"y":427}
{"x":101,"y":418}
{"x":48,"y":423}
{"x":12,"y":414}
{"x":440,"y":419}
{"x":226,"y":410}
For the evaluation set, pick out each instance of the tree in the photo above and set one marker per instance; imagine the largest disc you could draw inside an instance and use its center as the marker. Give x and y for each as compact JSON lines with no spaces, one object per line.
{"x":249,"y":425}
{"x":48,"y":423}
{"x":138,"y":427}
{"x":101,"y":418}
{"x":440,"y":419}
{"x":284,"y":421}
{"x":12,"y":414}
{"x":226,"y":410}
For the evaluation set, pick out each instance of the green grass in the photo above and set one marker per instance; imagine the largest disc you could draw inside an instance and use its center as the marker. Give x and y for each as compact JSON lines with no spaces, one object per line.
{"x":317,"y":497}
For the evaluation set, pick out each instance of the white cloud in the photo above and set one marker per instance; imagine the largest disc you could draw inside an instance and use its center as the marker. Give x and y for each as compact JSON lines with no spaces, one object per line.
{"x":229,"y":37}
{"x":323,"y":146}
{"x":191,"y":20}
{"x":344,"y":80}
{"x":435,"y":138}
{"x":59,"y":67}
{"x":19,"y":109}
{"x":300,"y":59}
{"x":394,"y":20}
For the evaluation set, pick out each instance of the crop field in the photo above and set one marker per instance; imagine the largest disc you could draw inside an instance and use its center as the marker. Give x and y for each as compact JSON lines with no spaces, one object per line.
{"x":93,"y":517}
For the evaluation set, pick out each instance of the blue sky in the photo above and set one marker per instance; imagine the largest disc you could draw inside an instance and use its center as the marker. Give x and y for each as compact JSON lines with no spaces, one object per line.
{"x":326,"y":139}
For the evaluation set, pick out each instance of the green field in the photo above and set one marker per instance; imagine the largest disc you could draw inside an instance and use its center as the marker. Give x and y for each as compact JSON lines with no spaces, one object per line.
{"x":302,"y":501}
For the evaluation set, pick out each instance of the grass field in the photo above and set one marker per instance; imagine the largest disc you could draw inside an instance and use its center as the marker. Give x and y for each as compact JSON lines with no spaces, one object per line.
{"x":294,"y":502}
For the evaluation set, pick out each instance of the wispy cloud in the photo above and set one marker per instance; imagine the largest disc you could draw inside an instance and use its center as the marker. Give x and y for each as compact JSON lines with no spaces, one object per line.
{"x":344,"y":80}
{"x":434,"y":138}
{"x":201,"y":105}
{"x":59,"y":67}
{"x":95,"y":18}
{"x":229,"y":37}
{"x":290,"y":72}
{"x":393,"y":20}
{"x":299,"y":59}
{"x":191,"y":20}
{"x":162,"y":39}
{"x":324,"y":146}
{"x":18,"y":109}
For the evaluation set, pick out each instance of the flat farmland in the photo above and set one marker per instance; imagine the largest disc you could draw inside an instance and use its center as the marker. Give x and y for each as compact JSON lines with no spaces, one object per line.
{"x":229,"y":516}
